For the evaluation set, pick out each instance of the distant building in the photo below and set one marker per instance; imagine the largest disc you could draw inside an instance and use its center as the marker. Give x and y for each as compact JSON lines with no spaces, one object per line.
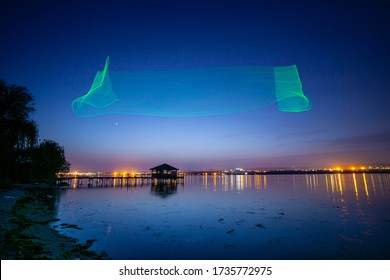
{"x":164,"y":171}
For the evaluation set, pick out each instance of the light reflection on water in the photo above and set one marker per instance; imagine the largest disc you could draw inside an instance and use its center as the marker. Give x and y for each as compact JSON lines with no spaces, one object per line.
{"x":330,"y":216}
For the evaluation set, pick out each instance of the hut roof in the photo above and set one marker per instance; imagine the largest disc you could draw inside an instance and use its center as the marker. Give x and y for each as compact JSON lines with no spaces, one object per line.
{"x":164,"y":166}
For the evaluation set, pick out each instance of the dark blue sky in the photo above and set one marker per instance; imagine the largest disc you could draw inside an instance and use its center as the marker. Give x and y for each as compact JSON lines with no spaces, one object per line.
{"x":341,"y":49}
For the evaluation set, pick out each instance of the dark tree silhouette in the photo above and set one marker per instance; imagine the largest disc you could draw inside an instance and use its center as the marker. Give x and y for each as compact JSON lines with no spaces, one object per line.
{"x":18,"y":133}
{"x":19,"y":152}
{"x":48,"y":159}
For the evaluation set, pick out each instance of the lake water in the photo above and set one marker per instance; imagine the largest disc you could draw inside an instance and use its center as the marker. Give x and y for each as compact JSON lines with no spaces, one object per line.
{"x":332,"y":216}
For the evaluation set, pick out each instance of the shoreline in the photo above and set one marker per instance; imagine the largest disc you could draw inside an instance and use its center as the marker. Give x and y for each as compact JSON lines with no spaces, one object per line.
{"x":27,"y":232}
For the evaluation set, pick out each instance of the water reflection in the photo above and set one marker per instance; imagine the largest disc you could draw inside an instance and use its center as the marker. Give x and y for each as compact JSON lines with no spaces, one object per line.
{"x":361,"y":184}
{"x":231,"y":182}
{"x":313,"y":216}
{"x":163,"y":189}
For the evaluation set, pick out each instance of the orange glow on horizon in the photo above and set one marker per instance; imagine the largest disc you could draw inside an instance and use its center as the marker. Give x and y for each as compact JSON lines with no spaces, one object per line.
{"x":350,"y":167}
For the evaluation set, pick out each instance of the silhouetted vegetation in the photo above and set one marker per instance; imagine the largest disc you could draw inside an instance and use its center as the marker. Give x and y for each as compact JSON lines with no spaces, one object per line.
{"x":48,"y":159}
{"x":21,"y":156}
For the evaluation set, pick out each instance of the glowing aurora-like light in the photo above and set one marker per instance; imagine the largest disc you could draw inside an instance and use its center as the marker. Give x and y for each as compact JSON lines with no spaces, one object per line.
{"x":195,"y":92}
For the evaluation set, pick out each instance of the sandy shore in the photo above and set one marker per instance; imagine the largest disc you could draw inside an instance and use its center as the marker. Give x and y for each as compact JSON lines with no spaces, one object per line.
{"x":27,"y":230}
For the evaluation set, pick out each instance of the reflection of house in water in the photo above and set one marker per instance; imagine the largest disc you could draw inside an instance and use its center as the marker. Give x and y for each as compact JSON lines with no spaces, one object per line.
{"x":163,"y":190}
{"x":164,"y":178}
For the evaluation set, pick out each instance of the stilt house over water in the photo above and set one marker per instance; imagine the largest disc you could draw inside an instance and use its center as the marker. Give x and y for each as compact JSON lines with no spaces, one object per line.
{"x":164,"y":171}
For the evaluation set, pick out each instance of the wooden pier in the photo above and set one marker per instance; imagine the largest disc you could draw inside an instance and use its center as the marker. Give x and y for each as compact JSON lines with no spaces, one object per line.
{"x":116,"y":181}
{"x":162,"y":175}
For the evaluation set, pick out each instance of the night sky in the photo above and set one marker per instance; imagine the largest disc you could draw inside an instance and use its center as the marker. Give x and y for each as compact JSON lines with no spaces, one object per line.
{"x":341,"y":50}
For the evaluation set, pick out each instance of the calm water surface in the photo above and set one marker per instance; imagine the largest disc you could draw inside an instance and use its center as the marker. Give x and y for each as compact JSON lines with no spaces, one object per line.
{"x":338,"y":216}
